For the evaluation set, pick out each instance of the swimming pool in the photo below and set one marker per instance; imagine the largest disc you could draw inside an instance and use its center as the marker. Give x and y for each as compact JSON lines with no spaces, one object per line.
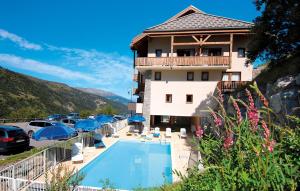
{"x":130,"y":164}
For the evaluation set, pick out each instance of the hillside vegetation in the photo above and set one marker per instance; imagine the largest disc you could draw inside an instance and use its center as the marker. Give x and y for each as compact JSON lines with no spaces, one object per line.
{"x":25,"y":96}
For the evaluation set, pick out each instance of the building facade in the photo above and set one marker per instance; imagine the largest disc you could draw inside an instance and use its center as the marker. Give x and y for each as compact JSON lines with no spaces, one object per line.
{"x":180,"y":63}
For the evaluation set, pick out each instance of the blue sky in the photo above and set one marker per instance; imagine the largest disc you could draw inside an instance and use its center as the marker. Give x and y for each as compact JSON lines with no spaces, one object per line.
{"x":86,"y":43}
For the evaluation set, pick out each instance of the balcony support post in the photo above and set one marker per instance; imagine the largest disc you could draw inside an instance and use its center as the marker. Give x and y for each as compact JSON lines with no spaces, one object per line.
{"x":172,"y":45}
{"x":230,"y":49}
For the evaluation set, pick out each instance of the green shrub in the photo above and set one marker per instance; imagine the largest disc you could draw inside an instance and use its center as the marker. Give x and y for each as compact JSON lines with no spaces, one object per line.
{"x":250,"y":153}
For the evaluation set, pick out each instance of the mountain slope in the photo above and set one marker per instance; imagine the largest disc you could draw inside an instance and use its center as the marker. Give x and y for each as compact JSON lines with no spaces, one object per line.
{"x":109,"y":95}
{"x":18,"y":91}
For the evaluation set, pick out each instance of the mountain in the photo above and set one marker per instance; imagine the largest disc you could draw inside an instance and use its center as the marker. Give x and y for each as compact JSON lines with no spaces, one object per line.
{"x":19,"y":92}
{"x":109,"y":95}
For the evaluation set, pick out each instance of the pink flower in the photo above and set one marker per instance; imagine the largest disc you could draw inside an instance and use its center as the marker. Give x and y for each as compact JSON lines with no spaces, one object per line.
{"x":199,"y":132}
{"x":220,"y":95}
{"x":269,"y":144}
{"x":217,"y":120}
{"x":238,"y":112}
{"x":252,"y":112}
{"x":266,"y":130}
{"x":228,"y":142}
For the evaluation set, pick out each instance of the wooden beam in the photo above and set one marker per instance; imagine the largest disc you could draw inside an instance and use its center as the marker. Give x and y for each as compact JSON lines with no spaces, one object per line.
{"x":206,"y":38}
{"x":200,"y":32}
{"x":172,"y":45}
{"x":199,"y":43}
{"x":214,"y":34}
{"x":230,"y":49}
{"x":195,"y":38}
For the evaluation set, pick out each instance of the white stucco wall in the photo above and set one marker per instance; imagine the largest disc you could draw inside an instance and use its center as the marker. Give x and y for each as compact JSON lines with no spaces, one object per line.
{"x":200,"y":90}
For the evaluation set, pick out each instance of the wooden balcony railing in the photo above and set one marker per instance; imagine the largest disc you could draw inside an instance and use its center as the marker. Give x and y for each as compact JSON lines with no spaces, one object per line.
{"x":230,"y":86}
{"x":183,"y":61}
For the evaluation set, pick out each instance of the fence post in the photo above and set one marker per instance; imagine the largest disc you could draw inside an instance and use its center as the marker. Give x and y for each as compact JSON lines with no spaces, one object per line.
{"x":55,"y":150}
{"x":44,"y":160}
{"x":14,"y":183}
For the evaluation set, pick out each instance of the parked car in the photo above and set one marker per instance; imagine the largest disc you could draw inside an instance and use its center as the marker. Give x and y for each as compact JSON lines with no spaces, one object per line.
{"x":13,"y":138}
{"x":73,"y":116}
{"x":91,"y":117}
{"x":56,"y":117}
{"x":34,"y":126}
{"x":119,"y":117}
{"x":69,"y":122}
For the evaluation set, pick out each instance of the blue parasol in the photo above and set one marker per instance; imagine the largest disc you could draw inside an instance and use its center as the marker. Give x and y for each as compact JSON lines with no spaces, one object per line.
{"x":104,"y":119}
{"x":87,"y":125}
{"x":56,"y":131}
{"x":136,"y":119}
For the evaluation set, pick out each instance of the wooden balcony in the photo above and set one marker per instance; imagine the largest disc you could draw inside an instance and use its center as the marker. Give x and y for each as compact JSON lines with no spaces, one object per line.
{"x":230,"y":86}
{"x":216,"y":61}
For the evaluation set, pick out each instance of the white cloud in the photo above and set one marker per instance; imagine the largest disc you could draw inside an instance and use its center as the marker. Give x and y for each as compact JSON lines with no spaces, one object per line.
{"x":43,"y":68}
{"x":109,"y":71}
{"x":108,"y":67}
{"x":19,"y":40}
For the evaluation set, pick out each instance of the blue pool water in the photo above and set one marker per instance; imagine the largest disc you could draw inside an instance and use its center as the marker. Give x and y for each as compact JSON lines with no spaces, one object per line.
{"x":129,"y":165}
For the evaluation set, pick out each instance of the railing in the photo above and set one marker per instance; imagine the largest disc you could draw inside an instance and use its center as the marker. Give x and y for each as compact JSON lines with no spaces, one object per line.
{"x":11,"y":184}
{"x":183,"y":61}
{"x":29,"y":169}
{"x":21,"y":175}
{"x":230,"y":86}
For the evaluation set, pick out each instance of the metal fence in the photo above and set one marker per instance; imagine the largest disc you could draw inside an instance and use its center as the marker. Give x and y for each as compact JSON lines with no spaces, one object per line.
{"x":16,"y":176}
{"x":21,"y":175}
{"x":11,"y":184}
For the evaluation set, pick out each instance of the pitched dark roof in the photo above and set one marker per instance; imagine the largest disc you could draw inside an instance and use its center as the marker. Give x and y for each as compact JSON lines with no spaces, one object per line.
{"x":200,"y":21}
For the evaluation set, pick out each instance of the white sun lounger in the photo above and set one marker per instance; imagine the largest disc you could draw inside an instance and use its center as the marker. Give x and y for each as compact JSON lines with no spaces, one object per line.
{"x":145,"y":132}
{"x":115,"y":133}
{"x":183,"y":133}
{"x":77,"y":156}
{"x":156,"y":132}
{"x":168,"y":133}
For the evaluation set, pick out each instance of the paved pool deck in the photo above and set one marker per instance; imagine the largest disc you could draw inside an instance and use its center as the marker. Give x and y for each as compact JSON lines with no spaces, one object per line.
{"x":180,"y":151}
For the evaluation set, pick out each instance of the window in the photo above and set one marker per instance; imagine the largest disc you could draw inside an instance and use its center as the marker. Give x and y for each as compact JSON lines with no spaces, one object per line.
{"x":157,"y":76}
{"x":236,"y":76}
{"x":214,"y":51}
{"x":65,"y":121}
{"x":185,"y":52}
{"x":2,"y":133}
{"x":168,"y":98}
{"x":189,"y":98}
{"x":33,"y":124}
{"x":190,"y":76}
{"x":241,"y":52}
{"x":204,"y":76}
{"x":47,"y":124}
{"x":231,"y":76}
{"x":158,"y":52}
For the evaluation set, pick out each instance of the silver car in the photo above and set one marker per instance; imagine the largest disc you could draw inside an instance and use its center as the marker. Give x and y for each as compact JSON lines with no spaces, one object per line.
{"x":69,"y":122}
{"x":34,"y":126}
